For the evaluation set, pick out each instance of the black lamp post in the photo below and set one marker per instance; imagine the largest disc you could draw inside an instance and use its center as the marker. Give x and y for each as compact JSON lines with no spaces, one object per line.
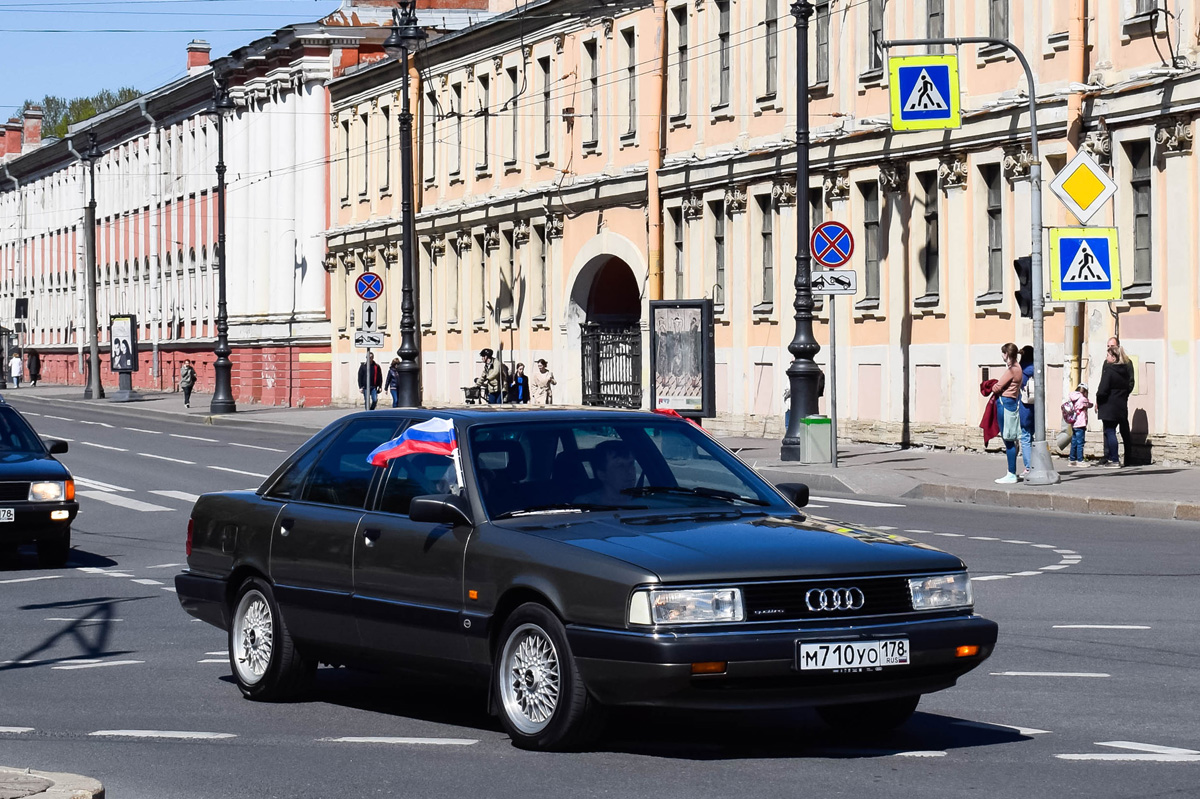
{"x":222,"y":399}
{"x":405,"y":37}
{"x":803,"y":373}
{"x":94,"y":388}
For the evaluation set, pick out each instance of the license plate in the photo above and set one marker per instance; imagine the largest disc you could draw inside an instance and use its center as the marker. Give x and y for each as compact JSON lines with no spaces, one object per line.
{"x":6,"y":514}
{"x":852,"y":655}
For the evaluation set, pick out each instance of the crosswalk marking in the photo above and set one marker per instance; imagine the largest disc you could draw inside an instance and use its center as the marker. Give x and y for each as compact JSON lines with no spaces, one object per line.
{"x":123,"y":502}
{"x":180,"y":495}
{"x":147,"y":581}
{"x":89,"y":483}
{"x":30,"y":579}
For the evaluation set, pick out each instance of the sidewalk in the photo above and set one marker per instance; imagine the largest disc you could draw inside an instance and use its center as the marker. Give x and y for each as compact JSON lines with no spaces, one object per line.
{"x":28,"y":784}
{"x":1155,"y":491}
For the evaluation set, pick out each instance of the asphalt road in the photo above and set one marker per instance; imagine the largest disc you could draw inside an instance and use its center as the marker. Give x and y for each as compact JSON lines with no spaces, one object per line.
{"x":1091,"y":692}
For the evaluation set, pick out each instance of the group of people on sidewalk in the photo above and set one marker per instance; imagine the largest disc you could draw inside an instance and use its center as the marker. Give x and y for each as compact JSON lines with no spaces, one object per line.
{"x":496,"y":383}
{"x":17,"y":368}
{"x":1009,"y":413}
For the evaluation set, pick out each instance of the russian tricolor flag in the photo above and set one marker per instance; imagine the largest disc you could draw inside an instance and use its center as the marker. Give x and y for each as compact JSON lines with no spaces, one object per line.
{"x":435,"y":436}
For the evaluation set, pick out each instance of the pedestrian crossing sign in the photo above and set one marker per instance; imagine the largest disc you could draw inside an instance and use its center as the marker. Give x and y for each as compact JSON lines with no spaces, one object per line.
{"x":924,"y":92}
{"x":1085,"y":264}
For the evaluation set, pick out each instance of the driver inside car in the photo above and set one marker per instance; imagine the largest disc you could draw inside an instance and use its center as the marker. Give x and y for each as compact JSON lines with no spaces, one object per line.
{"x":616,"y":472}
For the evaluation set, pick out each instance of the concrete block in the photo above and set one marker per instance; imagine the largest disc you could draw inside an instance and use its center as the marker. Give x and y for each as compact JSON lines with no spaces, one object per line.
{"x":1029,"y":499}
{"x":933,"y":491}
{"x":956,"y":493}
{"x":1069,"y":504}
{"x":1115,"y":507}
{"x":1188,"y":512}
{"x":1151,"y":509}
{"x":993,"y":496}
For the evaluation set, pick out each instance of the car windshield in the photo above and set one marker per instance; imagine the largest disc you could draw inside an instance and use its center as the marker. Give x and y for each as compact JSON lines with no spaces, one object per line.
{"x":17,"y":437}
{"x":566,"y":467}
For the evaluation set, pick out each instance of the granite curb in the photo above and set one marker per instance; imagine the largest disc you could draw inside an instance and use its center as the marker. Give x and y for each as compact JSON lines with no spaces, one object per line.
{"x":26,"y":783}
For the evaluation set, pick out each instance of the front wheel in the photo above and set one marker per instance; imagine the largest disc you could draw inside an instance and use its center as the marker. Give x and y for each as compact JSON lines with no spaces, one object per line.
{"x":543,"y":702}
{"x":867,"y":718}
{"x":265,"y":661}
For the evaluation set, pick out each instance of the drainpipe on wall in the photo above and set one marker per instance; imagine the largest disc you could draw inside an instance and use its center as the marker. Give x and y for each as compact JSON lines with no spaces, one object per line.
{"x":82,"y":222}
{"x":152,"y":253}
{"x":653,"y":199}
{"x":17,"y":260}
{"x":1078,"y":71}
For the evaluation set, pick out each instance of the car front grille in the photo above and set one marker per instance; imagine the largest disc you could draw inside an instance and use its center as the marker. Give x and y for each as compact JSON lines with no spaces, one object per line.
{"x":10,"y":492}
{"x":785,"y":601}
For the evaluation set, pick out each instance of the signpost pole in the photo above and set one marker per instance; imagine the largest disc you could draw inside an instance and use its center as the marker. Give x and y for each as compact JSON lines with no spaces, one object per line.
{"x":367,"y":381}
{"x":833,"y":379}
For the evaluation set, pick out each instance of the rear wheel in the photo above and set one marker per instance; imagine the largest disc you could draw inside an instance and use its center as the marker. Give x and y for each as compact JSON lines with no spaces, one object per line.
{"x":542,"y":700}
{"x":869,"y":717}
{"x":53,"y":551}
{"x":265,"y":661}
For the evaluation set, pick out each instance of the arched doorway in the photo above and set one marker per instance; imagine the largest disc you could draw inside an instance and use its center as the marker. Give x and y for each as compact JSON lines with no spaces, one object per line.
{"x":610,"y":335}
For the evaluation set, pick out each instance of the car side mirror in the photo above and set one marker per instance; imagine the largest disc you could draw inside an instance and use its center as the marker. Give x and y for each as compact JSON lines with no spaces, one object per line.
{"x":440,"y":509}
{"x":56,"y":446}
{"x":796,"y":492}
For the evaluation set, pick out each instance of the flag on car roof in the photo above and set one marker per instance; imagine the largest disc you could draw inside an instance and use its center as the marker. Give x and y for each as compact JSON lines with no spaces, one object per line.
{"x":435,"y":436}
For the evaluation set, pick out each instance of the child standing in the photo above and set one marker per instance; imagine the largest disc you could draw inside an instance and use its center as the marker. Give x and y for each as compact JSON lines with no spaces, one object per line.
{"x":1075,"y":411}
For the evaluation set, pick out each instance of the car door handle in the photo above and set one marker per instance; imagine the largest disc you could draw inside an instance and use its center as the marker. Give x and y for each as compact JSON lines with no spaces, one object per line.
{"x":285,"y":526}
{"x":371,"y":535}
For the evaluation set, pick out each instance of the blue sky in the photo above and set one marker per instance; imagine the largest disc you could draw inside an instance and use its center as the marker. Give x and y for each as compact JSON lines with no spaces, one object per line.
{"x":71,"y":48}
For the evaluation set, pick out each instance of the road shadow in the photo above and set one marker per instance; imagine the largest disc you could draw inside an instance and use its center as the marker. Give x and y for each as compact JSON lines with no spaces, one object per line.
{"x":88,"y":633}
{"x":24,"y":558}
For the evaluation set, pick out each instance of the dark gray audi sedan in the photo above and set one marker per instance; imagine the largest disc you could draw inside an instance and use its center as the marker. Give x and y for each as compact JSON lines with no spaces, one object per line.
{"x":571,"y":560}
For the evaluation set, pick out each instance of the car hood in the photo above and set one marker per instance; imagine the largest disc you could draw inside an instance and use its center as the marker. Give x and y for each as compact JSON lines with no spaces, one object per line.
{"x":719,"y":546}
{"x":30,"y":466}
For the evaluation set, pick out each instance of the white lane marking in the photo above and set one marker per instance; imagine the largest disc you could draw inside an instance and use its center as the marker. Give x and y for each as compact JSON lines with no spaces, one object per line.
{"x":214,"y":660}
{"x":983,"y":538}
{"x":123,"y":502}
{"x":173,"y":734}
{"x":89,"y":570}
{"x":172,"y":590}
{"x":145,"y":581}
{"x":59,"y":418}
{"x":140,"y":430}
{"x":181,"y":495}
{"x":1055,"y":567}
{"x":103,"y":446}
{"x":164,"y":565}
{"x":116,"y":574}
{"x":918,"y":531}
{"x":30,"y":579}
{"x":254,"y":446}
{"x":990,"y":577}
{"x":52,"y":660}
{"x":920,"y":754}
{"x":984,"y":725}
{"x":418,"y":741}
{"x":1064,"y":552}
{"x":194,"y":438}
{"x":16,"y":730}
{"x":98,"y":424}
{"x":864,"y":503}
{"x":1101,"y":627}
{"x":98,"y":620}
{"x":89,"y":483}
{"x":237,"y":471}
{"x":1071,"y":558}
{"x":1025,"y":574}
{"x":99,"y":665}
{"x":1155,"y":748}
{"x":950,"y":535}
{"x":815,"y":505}
{"x":1044,"y":546}
{"x":1015,"y":541}
{"x":226,"y":654}
{"x":883,"y":527}
{"x":165,"y":458}
{"x":1049,"y":674}
{"x":1131,"y":757}
{"x":30,"y":413}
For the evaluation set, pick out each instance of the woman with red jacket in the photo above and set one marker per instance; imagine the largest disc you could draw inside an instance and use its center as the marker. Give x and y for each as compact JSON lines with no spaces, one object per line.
{"x":1007,"y":389}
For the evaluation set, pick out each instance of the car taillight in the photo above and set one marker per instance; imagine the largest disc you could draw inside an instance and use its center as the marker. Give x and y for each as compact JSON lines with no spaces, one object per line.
{"x":191,"y":524}
{"x":70,"y":490}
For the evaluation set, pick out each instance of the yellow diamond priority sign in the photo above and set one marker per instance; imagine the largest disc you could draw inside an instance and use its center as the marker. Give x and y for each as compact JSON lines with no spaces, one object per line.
{"x":1083,"y":186}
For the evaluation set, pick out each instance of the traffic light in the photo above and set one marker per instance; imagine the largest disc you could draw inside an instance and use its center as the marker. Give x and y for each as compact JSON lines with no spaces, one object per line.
{"x":1024,"y":293}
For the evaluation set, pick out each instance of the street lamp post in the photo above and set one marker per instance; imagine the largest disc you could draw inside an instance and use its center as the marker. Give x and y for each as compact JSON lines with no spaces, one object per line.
{"x":222,"y":400}
{"x":803,"y":373}
{"x":405,"y":37}
{"x":94,"y":388}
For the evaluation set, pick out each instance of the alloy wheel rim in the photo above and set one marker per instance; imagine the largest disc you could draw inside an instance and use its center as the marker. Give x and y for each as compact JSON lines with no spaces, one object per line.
{"x":253,"y":637}
{"x":531,"y":679}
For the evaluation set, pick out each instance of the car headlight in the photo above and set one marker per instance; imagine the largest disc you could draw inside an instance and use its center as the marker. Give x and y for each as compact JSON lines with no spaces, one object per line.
{"x":47,"y":491}
{"x":686,"y":606}
{"x":943,"y":591}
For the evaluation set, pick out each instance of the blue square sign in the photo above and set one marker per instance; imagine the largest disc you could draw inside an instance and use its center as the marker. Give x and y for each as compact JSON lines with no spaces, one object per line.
{"x":924,"y":92}
{"x":1085,"y":264}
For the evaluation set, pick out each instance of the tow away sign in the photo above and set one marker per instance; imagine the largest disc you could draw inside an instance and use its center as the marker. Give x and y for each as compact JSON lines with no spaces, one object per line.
{"x":834,"y":281}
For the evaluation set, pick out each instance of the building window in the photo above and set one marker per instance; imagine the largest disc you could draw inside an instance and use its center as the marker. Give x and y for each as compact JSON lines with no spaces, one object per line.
{"x":995,"y":228}
{"x":1142,"y":7}
{"x":998,"y":19}
{"x":452,"y":280}
{"x":480,"y":282}
{"x":771,"y":31}
{"x":717,"y":209}
{"x":593,"y":77}
{"x":767,"y":231}
{"x":346,"y":159}
{"x":514,"y":145}
{"x":456,"y":92}
{"x":935,"y":22}
{"x":630,"y":40}
{"x":431,"y":114}
{"x":677,"y":232}
{"x":485,"y":111}
{"x":874,"y":35}
{"x":816,"y":215}
{"x":723,"y":53}
{"x":539,"y":233}
{"x":366,"y":156}
{"x":822,"y":49}
{"x":929,"y":257}
{"x":681,"y":57}
{"x":507,"y":300}
{"x":1139,"y":183}
{"x":385,"y":178}
{"x":544,"y":68}
{"x":872,"y":245}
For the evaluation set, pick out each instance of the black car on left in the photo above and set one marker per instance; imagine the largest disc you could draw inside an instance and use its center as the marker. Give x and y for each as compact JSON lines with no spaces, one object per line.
{"x":37,"y":493}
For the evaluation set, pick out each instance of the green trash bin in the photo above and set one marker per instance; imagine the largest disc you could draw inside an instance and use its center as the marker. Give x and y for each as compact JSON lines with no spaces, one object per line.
{"x":816,"y":439}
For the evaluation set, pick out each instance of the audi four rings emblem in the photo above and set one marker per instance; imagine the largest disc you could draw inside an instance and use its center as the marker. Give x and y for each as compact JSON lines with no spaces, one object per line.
{"x":834,"y":599}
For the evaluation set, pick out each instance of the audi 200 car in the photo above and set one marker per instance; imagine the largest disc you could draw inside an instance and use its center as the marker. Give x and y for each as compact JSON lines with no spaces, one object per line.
{"x":37,"y":494}
{"x":572,"y":561}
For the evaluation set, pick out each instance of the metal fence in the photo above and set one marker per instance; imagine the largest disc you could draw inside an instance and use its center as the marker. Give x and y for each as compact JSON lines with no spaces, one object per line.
{"x":612,"y":365}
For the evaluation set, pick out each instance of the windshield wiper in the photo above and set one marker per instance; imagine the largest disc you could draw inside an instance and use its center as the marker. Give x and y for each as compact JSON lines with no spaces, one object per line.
{"x":699,"y":491}
{"x":565,"y":507}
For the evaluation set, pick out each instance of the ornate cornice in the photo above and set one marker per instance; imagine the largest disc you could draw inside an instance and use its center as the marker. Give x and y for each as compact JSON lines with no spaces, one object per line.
{"x":893,"y":176}
{"x":735,"y":199}
{"x":783,"y":192}
{"x":491,"y":238}
{"x":520,"y":232}
{"x":1174,"y":135}
{"x":437,"y":245}
{"x":554,"y":226}
{"x":1017,"y":160}
{"x":693,"y":206}
{"x":463,"y":240}
{"x":953,"y":171}
{"x":1098,"y":144}
{"x":837,"y":187}
{"x":560,"y":41}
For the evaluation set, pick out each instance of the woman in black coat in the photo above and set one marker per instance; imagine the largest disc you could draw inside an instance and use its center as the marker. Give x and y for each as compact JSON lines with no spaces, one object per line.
{"x":1112,"y":403}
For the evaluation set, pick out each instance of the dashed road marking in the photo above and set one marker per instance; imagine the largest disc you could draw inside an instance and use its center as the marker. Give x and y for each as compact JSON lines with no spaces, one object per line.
{"x":16,"y":730}
{"x":85,"y":619}
{"x":59,"y":418}
{"x":984,"y":538}
{"x":984,"y":725}
{"x":226,"y":654}
{"x":180,"y":495}
{"x":98,"y":424}
{"x":255,"y":446}
{"x":30,"y":579}
{"x":985,"y":578}
{"x":919,"y":531}
{"x":1044,"y":546}
{"x":213,"y":660}
{"x":1055,"y":567}
{"x":194,"y":438}
{"x":1101,"y":627}
{"x":171,"y":734}
{"x":1025,"y":574}
{"x":1015,"y":541}
{"x":1152,"y":753}
{"x":172,"y":590}
{"x":99,"y":665}
{"x":950,"y":535}
{"x":1049,"y":674}
{"x":89,"y":483}
{"x":864,"y":503}
{"x":237,"y":471}
{"x":919,"y":753}
{"x":1064,"y":552}
{"x":146,"y":581}
{"x":403,"y":741}
{"x":124,"y":502}
{"x":165,"y":458}
{"x":140,"y":430}
{"x":103,"y":446}
{"x":164,"y":566}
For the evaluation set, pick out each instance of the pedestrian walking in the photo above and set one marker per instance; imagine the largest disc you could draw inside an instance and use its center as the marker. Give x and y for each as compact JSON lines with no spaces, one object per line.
{"x":15,"y":369}
{"x":492,"y":380}
{"x":1007,"y":390}
{"x":392,"y":383}
{"x":187,"y":381}
{"x":1025,"y":408}
{"x":1075,"y":413}
{"x":541,"y":383}
{"x":518,"y":387}
{"x":33,"y":364}
{"x":370,"y":378}
{"x":1112,"y":403}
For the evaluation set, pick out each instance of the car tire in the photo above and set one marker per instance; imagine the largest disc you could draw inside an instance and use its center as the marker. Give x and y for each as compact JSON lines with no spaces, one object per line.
{"x":262,"y":655}
{"x":53,"y":551}
{"x":542,"y":701}
{"x":869,"y":717}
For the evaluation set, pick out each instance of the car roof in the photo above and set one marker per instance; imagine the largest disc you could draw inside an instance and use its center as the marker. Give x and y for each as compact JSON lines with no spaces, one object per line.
{"x":499,"y":413}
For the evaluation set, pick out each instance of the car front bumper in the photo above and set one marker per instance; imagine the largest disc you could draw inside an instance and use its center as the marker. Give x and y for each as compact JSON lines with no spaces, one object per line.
{"x":622,"y":667}
{"x":31,"y":521}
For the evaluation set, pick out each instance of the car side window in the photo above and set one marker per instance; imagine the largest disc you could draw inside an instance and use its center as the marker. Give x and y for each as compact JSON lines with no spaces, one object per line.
{"x":290,"y":484}
{"x":342,"y":475}
{"x":413,"y":476}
